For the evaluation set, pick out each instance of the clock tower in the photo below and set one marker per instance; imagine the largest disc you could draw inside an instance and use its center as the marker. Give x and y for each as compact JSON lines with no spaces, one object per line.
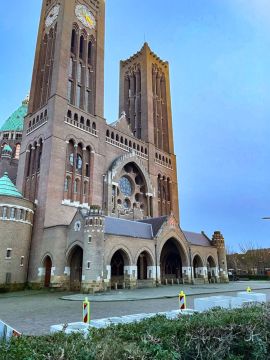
{"x":68,"y":78}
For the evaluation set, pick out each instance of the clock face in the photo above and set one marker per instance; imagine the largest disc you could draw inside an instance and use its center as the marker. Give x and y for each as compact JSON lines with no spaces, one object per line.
{"x":52,"y":16}
{"x":125,"y":186}
{"x":85,"y":16}
{"x":77,"y":226}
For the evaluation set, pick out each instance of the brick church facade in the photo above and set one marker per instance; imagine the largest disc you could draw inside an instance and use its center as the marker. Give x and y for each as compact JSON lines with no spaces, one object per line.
{"x":105,"y":196}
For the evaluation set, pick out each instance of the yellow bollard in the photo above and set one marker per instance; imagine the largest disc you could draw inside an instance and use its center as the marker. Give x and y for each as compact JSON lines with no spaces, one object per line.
{"x":86,"y":311}
{"x":248,"y":289}
{"x":182,"y":301}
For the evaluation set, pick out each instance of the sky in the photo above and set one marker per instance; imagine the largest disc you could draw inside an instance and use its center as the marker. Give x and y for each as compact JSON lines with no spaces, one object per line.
{"x":219,"y":55}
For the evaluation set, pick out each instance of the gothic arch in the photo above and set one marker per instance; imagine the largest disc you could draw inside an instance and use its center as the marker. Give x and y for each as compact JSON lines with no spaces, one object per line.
{"x":148,"y":251}
{"x":180,"y":243}
{"x":119,"y":163}
{"x":47,"y":254}
{"x":122,"y":248}
{"x":71,"y":248}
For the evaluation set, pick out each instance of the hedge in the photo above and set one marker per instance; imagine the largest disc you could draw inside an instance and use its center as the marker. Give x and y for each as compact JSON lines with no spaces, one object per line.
{"x":242,"y":334}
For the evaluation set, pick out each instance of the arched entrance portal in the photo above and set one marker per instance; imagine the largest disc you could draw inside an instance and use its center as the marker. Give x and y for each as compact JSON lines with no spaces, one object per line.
{"x":211,"y":269}
{"x":171,"y":261}
{"x":48,"y":270}
{"x":197,"y":267}
{"x":118,"y":263}
{"x":76,"y":261}
{"x":143,"y":263}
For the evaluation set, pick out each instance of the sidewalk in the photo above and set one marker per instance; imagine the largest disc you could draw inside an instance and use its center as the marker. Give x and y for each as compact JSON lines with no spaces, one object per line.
{"x":169,"y":291}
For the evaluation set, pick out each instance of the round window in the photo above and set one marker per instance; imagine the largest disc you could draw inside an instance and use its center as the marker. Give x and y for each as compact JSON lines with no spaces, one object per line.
{"x":125,"y":186}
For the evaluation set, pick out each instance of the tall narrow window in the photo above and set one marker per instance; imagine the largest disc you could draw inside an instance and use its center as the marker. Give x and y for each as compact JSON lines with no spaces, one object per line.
{"x":70,"y":69}
{"x":66,"y":184}
{"x":70,"y":84}
{"x":81,"y":46}
{"x":79,"y":77}
{"x":90,"y":53}
{"x":12,"y":213}
{"x":78,"y":96}
{"x":73,"y":42}
{"x":87,"y":170}
{"x":4,"y":212}
{"x":8,"y":253}
{"x":22,"y":261}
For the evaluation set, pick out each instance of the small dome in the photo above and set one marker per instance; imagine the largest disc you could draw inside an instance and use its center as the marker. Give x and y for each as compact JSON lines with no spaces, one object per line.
{"x":7,"y":148}
{"x":7,"y":188}
{"x":16,"y":120}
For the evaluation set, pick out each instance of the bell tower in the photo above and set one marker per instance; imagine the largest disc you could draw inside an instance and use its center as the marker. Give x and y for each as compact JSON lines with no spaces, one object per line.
{"x":68,"y":78}
{"x":145,"y":98}
{"x":70,"y":37}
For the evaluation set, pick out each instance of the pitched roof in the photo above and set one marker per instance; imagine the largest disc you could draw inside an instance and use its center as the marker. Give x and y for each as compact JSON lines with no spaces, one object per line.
{"x":122,"y":227}
{"x":197,"y":238}
{"x":7,"y":187}
{"x":156,"y":223}
{"x":15,"y":121}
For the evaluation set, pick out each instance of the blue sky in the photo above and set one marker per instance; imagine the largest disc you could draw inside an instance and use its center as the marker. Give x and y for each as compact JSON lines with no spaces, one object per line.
{"x":219,"y":54}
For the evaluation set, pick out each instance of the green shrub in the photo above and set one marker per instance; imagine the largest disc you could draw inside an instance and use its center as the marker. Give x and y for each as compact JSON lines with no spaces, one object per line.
{"x":242,"y":334}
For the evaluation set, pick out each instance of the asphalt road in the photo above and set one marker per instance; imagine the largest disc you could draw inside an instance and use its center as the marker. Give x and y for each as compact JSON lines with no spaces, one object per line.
{"x":34,"y":314}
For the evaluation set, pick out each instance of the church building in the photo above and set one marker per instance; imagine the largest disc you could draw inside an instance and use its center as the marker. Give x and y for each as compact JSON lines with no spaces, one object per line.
{"x":104,"y":197}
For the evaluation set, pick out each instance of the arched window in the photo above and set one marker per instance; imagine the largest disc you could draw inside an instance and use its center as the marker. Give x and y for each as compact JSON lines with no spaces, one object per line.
{"x":30,"y":123}
{"x":126,"y":142}
{"x":112,"y":135}
{"x":121,"y":140}
{"x":69,"y":115}
{"x":81,"y":46}
{"x":67,"y":183}
{"x":82,"y":120}
{"x":94,"y":127}
{"x":88,"y":123}
{"x":107,"y":133}
{"x":73,"y":42}
{"x":117,"y":137}
{"x":76,"y":118}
